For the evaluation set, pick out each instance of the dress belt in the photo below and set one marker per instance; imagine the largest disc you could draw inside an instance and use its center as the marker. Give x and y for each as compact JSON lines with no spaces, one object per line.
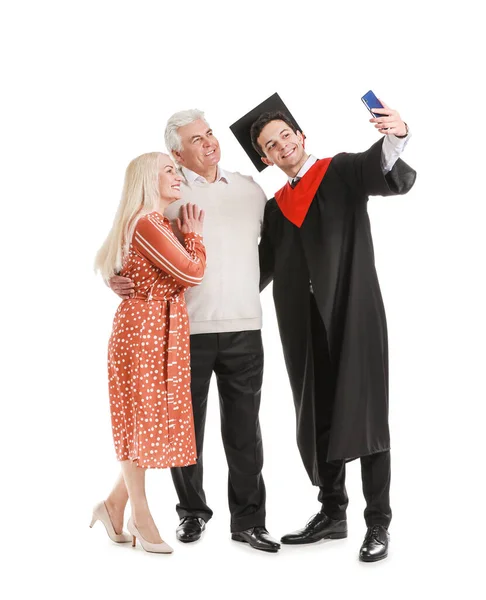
{"x":173,"y":343}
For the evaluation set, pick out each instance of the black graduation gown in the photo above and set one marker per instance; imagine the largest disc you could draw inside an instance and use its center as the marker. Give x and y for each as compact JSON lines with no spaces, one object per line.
{"x":333,"y":249}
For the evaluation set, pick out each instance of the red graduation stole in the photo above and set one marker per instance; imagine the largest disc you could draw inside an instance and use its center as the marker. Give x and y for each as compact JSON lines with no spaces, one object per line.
{"x":295,"y":202}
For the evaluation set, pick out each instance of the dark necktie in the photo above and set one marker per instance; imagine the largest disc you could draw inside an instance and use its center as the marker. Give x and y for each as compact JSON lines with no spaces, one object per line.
{"x":295,"y":181}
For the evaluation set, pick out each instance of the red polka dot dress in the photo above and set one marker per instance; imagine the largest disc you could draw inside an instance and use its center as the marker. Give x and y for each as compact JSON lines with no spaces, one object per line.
{"x":148,"y":351}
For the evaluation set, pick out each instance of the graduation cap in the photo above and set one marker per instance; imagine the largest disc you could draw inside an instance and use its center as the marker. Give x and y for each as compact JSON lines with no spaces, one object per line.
{"x":241,"y":128}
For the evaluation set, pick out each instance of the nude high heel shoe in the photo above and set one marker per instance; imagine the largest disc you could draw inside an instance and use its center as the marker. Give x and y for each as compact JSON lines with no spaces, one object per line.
{"x":162,"y":548}
{"x":100,"y":513}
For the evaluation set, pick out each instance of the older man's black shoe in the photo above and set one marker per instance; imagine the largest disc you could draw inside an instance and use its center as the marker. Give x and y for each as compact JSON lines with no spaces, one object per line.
{"x":320,"y":527}
{"x":375,"y":544}
{"x":190,"y":529}
{"x":258,"y":538}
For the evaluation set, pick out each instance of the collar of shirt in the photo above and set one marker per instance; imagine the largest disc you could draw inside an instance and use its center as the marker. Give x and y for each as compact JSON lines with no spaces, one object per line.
{"x":305,"y":167}
{"x":192,"y":177}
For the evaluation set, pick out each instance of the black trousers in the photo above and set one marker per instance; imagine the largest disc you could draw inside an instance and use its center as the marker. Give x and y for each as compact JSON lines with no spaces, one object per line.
{"x":237,"y":361}
{"x":375,"y":468}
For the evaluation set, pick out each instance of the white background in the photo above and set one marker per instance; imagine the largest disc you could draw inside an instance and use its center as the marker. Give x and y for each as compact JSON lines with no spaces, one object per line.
{"x":86,"y":87}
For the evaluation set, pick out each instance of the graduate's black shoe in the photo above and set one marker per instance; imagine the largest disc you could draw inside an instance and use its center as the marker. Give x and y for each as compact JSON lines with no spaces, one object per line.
{"x":375,"y":545}
{"x":320,"y":527}
{"x":258,"y":538}
{"x":190,"y":529}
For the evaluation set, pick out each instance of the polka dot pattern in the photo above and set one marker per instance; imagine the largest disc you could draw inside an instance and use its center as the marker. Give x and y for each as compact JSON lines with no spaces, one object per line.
{"x":149,"y":359}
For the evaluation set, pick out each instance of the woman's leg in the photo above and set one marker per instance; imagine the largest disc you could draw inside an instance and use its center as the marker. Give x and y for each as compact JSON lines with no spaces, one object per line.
{"x":116,"y":503}
{"x":135,"y":482}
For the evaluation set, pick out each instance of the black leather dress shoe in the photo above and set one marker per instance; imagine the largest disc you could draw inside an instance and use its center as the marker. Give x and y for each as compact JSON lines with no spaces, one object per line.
{"x":258,"y":538}
{"x":190,"y":529}
{"x":375,"y":545}
{"x":320,"y":527}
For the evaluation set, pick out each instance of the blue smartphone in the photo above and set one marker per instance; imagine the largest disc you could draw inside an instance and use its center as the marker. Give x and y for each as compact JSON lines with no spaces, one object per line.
{"x":371,"y":102}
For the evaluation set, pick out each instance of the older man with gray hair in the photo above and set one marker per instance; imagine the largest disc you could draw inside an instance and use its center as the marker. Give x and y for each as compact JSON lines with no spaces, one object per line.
{"x":225,"y":319}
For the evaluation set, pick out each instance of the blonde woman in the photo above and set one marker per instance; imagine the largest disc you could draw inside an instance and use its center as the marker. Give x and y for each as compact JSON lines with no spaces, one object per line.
{"x":148,"y":352}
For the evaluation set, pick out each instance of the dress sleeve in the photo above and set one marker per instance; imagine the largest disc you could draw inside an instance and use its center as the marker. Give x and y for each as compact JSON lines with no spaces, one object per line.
{"x":156,"y":242}
{"x":363,"y":173}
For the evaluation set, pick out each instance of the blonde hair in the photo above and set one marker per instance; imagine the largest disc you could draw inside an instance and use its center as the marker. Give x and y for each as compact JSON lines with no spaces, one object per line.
{"x":140,"y":196}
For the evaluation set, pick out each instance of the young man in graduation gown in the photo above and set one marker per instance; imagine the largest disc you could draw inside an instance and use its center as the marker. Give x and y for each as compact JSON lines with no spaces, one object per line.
{"x":316,"y":246}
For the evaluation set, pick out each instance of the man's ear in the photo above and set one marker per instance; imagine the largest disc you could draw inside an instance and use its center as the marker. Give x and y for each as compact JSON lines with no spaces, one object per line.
{"x":178,"y":157}
{"x":266,"y":161}
{"x":301,"y":137}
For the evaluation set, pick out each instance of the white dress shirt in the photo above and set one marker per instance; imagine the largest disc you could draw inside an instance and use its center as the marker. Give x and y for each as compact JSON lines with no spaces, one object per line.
{"x":192,"y":177}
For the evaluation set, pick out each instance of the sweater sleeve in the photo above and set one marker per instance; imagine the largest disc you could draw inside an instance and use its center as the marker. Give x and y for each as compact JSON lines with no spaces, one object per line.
{"x":156,"y":242}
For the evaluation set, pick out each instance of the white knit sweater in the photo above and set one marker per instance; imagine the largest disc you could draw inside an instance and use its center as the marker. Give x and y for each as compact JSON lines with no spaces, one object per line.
{"x":228,"y":299}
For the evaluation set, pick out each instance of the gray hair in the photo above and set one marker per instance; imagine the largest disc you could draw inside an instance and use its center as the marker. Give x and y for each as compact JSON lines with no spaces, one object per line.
{"x":179,"y":119}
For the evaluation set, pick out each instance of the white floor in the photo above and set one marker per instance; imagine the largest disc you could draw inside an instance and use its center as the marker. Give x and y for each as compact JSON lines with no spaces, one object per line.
{"x":64,"y":558}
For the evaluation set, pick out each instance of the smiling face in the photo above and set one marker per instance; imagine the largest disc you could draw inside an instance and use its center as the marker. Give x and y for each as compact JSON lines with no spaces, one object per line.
{"x":169,"y":180}
{"x":200,"y":149}
{"x":282,"y":147}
